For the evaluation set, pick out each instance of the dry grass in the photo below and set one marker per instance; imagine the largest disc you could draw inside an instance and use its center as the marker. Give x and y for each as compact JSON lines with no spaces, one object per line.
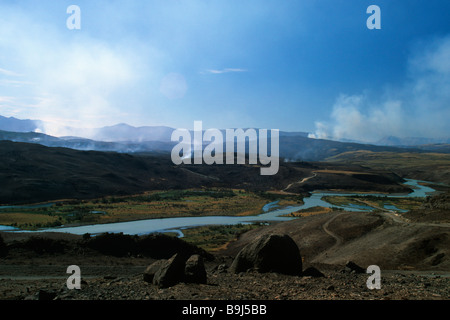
{"x":310,"y":212}
{"x":241,"y":205}
{"x":342,"y":172}
{"x":149,"y":205}
{"x":20,"y":218}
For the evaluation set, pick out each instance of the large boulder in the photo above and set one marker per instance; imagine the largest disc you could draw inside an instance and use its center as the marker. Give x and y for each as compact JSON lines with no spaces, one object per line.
{"x":312,"y":272}
{"x":352,"y":267}
{"x":269,"y":253}
{"x":170,"y":272}
{"x":167,"y":273}
{"x":151,"y":270}
{"x":194,"y":271}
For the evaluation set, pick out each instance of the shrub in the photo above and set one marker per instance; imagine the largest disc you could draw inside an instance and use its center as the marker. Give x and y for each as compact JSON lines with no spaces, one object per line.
{"x":3,"y":247}
{"x":45,"y":245}
{"x":161,"y":246}
{"x":158,"y":246}
{"x":115,"y":244}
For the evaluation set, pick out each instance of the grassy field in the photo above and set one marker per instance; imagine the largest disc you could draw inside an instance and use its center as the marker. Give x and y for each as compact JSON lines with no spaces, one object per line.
{"x":375,"y":202}
{"x":423,"y":166}
{"x":161,"y":204}
{"x":309,"y":212}
{"x":393,"y":159}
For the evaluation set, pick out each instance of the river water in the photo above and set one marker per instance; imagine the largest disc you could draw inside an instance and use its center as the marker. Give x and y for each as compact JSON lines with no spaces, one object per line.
{"x":270,"y":212}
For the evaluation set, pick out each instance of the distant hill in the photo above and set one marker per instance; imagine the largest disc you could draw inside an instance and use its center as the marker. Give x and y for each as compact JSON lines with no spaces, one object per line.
{"x":117,"y":133}
{"x":124,"y":133}
{"x":86,"y":144}
{"x":425,"y":166}
{"x":18,"y":125}
{"x":121,"y":132}
{"x":307,"y":149}
{"x":292,"y":147}
{"x":34,"y":173}
{"x":436,"y":147}
{"x":410,"y":141}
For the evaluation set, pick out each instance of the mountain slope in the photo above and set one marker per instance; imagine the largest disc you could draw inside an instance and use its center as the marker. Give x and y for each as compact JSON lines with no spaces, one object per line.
{"x":86,"y":144}
{"x":32,"y":173}
{"x":365,"y":238}
{"x":307,"y":149}
{"x":292,"y":146}
{"x":425,"y":166}
{"x":18,"y":125}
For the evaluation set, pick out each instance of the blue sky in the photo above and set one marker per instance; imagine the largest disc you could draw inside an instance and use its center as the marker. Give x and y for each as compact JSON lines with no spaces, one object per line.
{"x":290,"y":65}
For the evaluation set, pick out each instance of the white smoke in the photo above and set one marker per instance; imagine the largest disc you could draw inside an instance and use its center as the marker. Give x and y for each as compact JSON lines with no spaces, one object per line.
{"x":420,"y":108}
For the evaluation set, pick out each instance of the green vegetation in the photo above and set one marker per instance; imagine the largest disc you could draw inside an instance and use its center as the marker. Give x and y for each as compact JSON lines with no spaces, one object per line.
{"x":377,"y":202}
{"x":392,"y":160}
{"x":425,"y":166}
{"x":309,"y":211}
{"x":156,"y":204}
{"x":213,"y":238}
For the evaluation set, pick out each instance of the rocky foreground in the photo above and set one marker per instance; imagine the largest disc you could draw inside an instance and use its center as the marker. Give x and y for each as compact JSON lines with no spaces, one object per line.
{"x":246,"y":286}
{"x":228,"y":286}
{"x":26,"y":275}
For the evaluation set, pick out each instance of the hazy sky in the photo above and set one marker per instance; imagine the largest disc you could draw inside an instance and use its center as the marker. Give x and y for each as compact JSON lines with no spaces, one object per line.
{"x":290,"y":65}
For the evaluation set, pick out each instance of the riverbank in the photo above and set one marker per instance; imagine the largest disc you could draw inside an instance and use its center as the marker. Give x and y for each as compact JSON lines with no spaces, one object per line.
{"x":272,"y":213}
{"x":150,"y":205}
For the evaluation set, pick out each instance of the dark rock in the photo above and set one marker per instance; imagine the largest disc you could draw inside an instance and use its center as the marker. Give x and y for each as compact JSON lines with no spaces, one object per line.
{"x":437,"y":259}
{"x":114,"y":244}
{"x":352,"y":267}
{"x":312,"y":272}
{"x":222,"y":268}
{"x":269,"y":253}
{"x":3,"y":247}
{"x":170,"y":272}
{"x":194,"y":271}
{"x":45,"y":295}
{"x":161,"y":246}
{"x":149,"y":273}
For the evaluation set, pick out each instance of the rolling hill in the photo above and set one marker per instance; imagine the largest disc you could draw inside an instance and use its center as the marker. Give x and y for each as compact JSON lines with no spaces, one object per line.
{"x":34,"y":173}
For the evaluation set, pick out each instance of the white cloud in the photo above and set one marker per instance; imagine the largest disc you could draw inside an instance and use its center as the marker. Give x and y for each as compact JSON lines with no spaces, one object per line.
{"x":9,"y":73}
{"x":64,"y":75}
{"x":226,"y":70}
{"x":14,"y":83}
{"x":420,"y":108}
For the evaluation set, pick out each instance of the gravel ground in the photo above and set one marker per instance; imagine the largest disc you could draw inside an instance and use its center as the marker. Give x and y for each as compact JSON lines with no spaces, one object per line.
{"x":126,"y":283}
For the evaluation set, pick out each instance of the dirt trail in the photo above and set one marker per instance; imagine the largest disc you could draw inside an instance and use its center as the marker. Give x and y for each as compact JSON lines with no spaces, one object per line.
{"x":339,"y":239}
{"x":387,"y":214}
{"x":300,"y":182}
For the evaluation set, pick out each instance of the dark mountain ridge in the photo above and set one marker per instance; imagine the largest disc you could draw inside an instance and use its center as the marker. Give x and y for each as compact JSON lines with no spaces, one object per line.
{"x":293,"y":147}
{"x":32,"y":173}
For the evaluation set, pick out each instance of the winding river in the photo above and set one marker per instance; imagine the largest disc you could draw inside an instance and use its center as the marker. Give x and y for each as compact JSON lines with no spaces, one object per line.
{"x":271,"y":212}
